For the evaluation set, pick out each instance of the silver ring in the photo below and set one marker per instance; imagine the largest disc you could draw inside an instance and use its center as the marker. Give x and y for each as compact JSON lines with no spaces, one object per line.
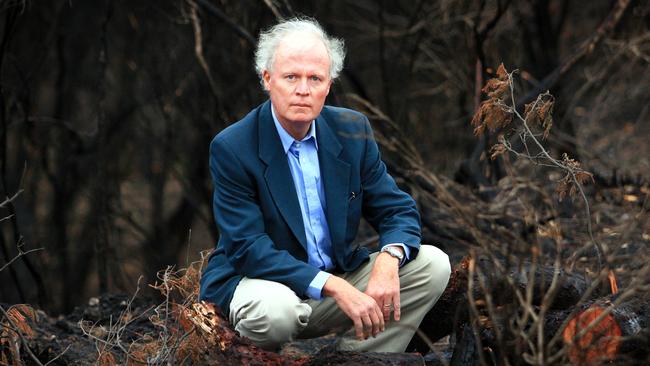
{"x":388,"y":306}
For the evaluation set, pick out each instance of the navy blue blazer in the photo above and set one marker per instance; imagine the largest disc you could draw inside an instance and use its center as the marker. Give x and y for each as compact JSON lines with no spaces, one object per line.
{"x":257,"y":211}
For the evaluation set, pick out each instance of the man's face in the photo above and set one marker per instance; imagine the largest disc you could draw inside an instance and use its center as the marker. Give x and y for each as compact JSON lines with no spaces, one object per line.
{"x":299,"y":81}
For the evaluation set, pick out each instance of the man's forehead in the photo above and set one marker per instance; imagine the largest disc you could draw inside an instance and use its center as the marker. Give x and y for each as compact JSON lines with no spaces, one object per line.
{"x":303,"y":40}
{"x":302,"y":50}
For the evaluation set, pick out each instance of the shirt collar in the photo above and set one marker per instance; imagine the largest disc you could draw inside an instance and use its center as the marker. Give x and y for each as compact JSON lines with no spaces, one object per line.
{"x":286,"y":139}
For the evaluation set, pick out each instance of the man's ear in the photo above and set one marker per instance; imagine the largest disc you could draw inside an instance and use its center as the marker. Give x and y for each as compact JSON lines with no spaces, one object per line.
{"x":266,"y":78}
{"x":329,"y":86}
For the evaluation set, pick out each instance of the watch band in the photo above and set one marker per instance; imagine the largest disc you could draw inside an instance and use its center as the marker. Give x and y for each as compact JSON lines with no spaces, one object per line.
{"x":394,"y":252}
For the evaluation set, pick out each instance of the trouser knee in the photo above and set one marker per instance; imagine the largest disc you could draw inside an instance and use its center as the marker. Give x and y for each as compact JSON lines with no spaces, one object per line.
{"x":438,"y":267}
{"x":268,"y":318}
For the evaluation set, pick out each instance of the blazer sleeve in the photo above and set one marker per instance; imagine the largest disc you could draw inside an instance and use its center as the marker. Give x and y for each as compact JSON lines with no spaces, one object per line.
{"x":249,"y":249}
{"x":388,"y":209}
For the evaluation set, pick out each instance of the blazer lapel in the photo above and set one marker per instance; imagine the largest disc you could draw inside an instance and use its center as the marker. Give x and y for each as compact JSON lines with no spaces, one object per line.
{"x":278,"y":175}
{"x":335,"y":174}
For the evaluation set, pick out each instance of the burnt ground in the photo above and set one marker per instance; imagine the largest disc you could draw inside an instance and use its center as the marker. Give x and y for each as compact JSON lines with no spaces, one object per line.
{"x":121,"y":329}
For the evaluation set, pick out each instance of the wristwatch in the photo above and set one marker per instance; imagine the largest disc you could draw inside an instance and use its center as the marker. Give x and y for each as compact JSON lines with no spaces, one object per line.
{"x":394,"y":252}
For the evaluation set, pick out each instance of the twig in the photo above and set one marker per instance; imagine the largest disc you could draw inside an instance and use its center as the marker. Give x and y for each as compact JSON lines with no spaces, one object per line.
{"x":115,"y":332}
{"x":59,"y":355}
{"x":273,"y":9}
{"x":585,"y":48}
{"x":198,"y":49}
{"x":223,"y":17}
{"x":22,"y":338}
{"x":20,"y":254}
{"x":10,"y":199}
{"x":474,"y":309}
{"x":572,"y":171}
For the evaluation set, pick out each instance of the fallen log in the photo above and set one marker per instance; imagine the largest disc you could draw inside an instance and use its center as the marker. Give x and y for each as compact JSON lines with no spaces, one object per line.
{"x":195,"y":334}
{"x":604,"y":329}
{"x":597,"y":332}
{"x":451,"y":310}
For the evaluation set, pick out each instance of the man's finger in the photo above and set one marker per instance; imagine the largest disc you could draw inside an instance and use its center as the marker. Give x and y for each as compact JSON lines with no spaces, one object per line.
{"x":386,"y":308}
{"x":376,"y":325}
{"x":358,"y":328}
{"x":367,"y":326}
{"x":380,"y":318}
{"x":397,"y":313}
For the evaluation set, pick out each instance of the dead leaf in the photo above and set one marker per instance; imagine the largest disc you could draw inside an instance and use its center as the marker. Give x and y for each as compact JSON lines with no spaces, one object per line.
{"x":540,"y":112}
{"x":490,"y":116}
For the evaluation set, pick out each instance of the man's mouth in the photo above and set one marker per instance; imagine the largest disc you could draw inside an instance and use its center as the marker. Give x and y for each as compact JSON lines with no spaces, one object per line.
{"x":302,"y":105}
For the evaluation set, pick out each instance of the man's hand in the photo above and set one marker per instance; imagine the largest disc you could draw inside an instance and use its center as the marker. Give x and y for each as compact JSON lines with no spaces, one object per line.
{"x":383,"y":285}
{"x":361,"y":308}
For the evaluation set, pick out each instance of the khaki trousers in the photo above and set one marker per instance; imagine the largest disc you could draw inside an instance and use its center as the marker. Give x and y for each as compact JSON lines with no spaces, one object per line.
{"x":270,"y":314}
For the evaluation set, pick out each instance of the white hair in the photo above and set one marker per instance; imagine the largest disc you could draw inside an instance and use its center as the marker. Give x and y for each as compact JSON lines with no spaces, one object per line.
{"x":270,"y":39}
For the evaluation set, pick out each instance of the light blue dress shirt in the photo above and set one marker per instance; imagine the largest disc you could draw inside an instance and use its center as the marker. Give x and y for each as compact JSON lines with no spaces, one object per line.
{"x":302,"y":157}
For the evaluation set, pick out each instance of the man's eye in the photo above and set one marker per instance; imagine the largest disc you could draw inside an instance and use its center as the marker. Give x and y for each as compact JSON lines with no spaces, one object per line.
{"x":315,"y":78}
{"x":291,"y":77}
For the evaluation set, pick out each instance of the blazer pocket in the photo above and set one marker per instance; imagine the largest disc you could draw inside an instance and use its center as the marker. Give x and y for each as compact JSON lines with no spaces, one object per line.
{"x":352,"y":196}
{"x":355,"y":194}
{"x":355,"y":201}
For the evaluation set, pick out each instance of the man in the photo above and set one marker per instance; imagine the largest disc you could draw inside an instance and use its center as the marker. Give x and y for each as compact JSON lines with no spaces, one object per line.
{"x":292,"y":180}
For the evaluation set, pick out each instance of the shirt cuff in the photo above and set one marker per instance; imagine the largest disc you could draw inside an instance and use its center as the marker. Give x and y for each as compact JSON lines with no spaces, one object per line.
{"x":316,"y":286}
{"x":407,"y":252}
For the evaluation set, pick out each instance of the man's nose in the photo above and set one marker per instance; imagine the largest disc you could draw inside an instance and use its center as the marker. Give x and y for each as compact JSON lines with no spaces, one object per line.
{"x":303,"y":87}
